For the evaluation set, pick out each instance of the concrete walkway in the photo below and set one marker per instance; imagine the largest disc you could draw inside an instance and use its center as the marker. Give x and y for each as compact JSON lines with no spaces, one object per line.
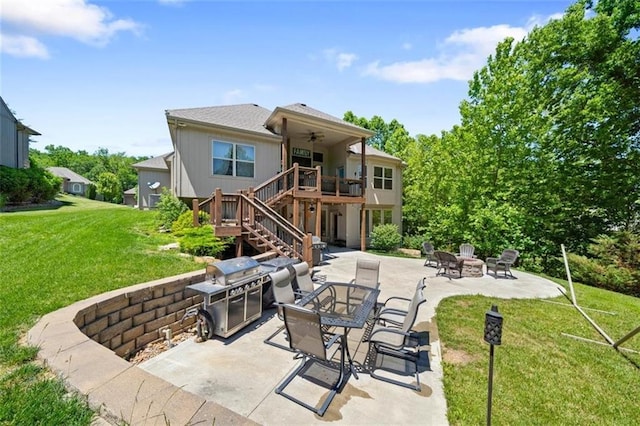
{"x":233,"y":380}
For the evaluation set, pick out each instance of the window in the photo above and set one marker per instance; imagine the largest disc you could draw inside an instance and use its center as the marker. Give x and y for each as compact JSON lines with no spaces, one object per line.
{"x":378,"y":217}
{"x":382,"y":177}
{"x":233,"y":159}
{"x":76,"y":187}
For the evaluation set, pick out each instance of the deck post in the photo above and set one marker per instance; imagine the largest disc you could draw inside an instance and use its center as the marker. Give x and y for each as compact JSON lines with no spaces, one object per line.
{"x":218,"y":207}
{"x":195,"y":206}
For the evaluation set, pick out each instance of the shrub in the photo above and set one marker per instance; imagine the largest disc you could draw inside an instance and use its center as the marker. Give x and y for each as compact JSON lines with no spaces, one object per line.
{"x":413,"y":241}
{"x":201,"y":242}
{"x":385,"y":237}
{"x":90,"y":193}
{"x":614,"y":263}
{"x":32,"y":185}
{"x":169,"y":208}
{"x":3,"y":200}
{"x":185,"y":220}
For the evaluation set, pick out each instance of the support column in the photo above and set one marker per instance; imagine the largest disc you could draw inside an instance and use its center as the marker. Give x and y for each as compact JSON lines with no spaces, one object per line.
{"x":285,"y":146}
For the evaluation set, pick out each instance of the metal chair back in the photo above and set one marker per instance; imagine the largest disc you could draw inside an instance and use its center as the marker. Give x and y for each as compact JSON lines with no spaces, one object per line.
{"x":368,"y":273}
{"x":303,"y":277}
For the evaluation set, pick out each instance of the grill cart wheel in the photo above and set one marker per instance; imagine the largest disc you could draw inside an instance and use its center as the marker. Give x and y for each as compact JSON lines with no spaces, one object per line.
{"x":204,"y":325}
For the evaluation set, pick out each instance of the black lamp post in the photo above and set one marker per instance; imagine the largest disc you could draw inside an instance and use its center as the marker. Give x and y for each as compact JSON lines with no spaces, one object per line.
{"x":493,"y":336}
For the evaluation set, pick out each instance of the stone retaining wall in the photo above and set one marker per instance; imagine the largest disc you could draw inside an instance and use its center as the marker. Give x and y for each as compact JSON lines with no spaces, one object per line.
{"x":129,"y":321}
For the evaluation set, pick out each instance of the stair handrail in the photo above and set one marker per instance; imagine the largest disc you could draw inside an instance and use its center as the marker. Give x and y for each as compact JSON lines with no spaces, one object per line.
{"x":296,"y":234}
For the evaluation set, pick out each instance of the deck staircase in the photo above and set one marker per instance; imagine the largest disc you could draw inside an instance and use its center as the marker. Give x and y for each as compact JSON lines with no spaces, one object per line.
{"x":253,"y":214}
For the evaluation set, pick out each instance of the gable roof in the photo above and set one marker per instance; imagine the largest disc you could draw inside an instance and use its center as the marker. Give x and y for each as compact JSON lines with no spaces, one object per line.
{"x":19,"y":125}
{"x":371,"y":152}
{"x":303,"y":110}
{"x":156,"y":163}
{"x":69,"y":175}
{"x":247,"y":117}
{"x":307,"y":110}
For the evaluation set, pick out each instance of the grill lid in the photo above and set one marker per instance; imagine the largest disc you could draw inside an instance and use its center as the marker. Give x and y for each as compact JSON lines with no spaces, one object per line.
{"x":227,"y":272}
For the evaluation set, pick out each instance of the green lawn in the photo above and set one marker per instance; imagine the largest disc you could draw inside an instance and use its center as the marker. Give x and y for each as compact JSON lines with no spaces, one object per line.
{"x":542,"y":376}
{"x":50,"y":258}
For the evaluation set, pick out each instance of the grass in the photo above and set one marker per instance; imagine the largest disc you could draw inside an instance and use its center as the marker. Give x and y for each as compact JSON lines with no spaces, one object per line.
{"x":51,"y":258}
{"x":542,"y":376}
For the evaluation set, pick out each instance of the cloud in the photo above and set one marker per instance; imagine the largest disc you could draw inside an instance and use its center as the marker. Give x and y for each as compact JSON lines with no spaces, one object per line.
{"x":23,"y":46}
{"x":77,"y":19}
{"x":461,"y":53}
{"x":341,"y":60}
{"x":407,"y":46}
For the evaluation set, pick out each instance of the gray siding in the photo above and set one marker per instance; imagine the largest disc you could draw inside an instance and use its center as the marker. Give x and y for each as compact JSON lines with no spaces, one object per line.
{"x":8,"y":137}
{"x":192,"y":164}
{"x":144,"y":192}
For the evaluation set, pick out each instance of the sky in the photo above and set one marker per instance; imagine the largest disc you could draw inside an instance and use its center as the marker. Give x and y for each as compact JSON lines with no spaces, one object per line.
{"x":92,"y":74}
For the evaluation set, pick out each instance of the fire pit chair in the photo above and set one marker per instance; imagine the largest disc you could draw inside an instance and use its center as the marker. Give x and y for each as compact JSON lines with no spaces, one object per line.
{"x":502,"y":263}
{"x":397,"y":342}
{"x":466,"y":250}
{"x":307,"y":338}
{"x":428,"y":249}
{"x":449,"y":262}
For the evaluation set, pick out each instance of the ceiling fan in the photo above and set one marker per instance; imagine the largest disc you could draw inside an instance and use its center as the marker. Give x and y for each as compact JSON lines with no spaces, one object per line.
{"x":314,"y":137}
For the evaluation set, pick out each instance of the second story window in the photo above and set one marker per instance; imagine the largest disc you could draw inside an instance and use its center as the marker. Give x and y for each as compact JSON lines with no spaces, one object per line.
{"x":382,"y":177}
{"x":233,"y":159}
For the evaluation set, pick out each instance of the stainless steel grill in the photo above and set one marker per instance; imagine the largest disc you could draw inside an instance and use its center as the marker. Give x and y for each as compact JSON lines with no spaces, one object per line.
{"x":232,"y":293}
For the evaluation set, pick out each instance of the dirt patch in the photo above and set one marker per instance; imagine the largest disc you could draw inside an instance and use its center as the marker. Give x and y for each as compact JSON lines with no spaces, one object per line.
{"x":457,"y":357}
{"x":156,"y":348}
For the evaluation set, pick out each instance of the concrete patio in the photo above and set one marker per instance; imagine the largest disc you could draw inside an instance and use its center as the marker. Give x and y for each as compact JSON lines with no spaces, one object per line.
{"x":233,"y":380}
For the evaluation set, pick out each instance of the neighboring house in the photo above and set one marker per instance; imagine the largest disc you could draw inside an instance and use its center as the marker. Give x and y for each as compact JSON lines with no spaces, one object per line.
{"x":72,"y":183}
{"x":14,"y":139}
{"x":294,"y":163}
{"x":153,"y":175}
{"x":130,"y":197}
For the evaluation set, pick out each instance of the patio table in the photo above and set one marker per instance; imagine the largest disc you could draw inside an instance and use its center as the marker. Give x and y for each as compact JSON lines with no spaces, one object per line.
{"x":343,"y":305}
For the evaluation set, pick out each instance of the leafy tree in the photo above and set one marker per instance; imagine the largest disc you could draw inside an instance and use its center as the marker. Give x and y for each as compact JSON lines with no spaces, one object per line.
{"x":109,"y":186}
{"x":391,"y":138}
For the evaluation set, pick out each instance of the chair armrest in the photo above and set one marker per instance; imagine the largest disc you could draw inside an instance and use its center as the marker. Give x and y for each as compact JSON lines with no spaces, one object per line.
{"x":396,"y":298}
{"x":396,"y":311}
{"x":332,"y":340}
{"x":388,"y":330}
{"x":491,"y":260}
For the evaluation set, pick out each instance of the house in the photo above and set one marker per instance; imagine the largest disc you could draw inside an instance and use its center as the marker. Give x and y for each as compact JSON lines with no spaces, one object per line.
{"x":275,"y":178}
{"x":130,"y":197}
{"x":72,"y":183}
{"x":14,"y":139}
{"x":153,"y":175}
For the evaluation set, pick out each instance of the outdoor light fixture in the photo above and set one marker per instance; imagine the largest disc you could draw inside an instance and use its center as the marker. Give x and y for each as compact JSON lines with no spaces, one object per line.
{"x":493,"y":336}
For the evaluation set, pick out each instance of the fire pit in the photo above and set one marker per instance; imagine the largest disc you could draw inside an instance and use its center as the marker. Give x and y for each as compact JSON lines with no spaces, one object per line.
{"x":472,"y":267}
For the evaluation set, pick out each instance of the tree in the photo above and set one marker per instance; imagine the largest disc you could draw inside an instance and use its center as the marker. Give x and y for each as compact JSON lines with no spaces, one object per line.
{"x":109,"y":186}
